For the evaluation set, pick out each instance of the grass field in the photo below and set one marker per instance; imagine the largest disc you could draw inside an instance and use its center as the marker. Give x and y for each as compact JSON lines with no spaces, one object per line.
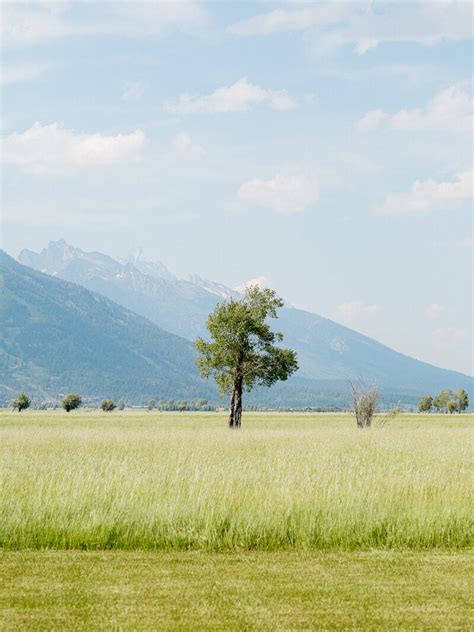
{"x":149,"y":590}
{"x":295,"y":522}
{"x":88,"y":480}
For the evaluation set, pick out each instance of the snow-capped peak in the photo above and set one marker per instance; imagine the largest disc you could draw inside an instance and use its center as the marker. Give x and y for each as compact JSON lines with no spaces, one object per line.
{"x":210,"y":286}
{"x":259,"y":281}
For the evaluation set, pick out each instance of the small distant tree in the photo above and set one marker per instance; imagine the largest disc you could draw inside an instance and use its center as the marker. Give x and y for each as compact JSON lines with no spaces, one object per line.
{"x":425,"y":404}
{"x":107,"y":405}
{"x":452,"y":406}
{"x":22,"y":402}
{"x":181,"y":406}
{"x":440,"y":402}
{"x":463,"y":401}
{"x":364,"y":404}
{"x":242,"y":352}
{"x":120,"y":404}
{"x":151,"y":404}
{"x":71,"y":402}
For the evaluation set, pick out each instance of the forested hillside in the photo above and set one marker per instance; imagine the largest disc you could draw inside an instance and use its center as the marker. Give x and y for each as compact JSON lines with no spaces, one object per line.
{"x":58,"y":337}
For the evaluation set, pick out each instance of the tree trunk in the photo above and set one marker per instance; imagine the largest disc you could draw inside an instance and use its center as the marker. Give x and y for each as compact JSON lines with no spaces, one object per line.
{"x":238,"y":403}
{"x":231,"y":409}
{"x":235,"y":412}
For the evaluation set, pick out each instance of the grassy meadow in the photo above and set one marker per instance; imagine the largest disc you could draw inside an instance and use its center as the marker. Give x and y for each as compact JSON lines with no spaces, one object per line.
{"x":252,"y":590}
{"x":137,"y":480}
{"x":146,"y":521}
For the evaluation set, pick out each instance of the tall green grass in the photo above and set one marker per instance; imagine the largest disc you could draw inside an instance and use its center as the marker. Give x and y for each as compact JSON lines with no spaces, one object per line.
{"x":92,"y":481}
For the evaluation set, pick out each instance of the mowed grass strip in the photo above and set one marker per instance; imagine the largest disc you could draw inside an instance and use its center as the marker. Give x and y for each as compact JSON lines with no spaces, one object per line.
{"x":128,"y":590}
{"x":177,"y":482}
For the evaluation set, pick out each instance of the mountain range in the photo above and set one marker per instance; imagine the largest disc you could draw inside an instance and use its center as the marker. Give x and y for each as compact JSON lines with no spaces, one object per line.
{"x":329,"y":353}
{"x":58,"y":337}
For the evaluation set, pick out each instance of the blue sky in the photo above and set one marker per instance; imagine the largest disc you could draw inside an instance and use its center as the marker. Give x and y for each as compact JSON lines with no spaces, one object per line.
{"x":324,"y":146}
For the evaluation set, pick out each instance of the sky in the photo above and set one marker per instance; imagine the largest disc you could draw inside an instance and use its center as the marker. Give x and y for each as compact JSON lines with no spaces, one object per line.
{"x":324,"y":146}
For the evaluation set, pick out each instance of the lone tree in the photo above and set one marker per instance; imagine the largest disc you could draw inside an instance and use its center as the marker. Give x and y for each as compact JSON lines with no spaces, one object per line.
{"x":364,"y":403}
{"x":107,"y":405}
{"x":22,"y":402}
{"x":71,"y":402}
{"x":242,"y":352}
{"x":425,"y":404}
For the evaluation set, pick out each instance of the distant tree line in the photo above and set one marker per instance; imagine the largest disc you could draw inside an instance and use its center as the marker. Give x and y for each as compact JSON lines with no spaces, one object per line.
{"x":255,"y":408}
{"x":364,"y":401}
{"x":180,"y":405}
{"x":364,"y":404}
{"x":71,"y":401}
{"x":446,"y":401}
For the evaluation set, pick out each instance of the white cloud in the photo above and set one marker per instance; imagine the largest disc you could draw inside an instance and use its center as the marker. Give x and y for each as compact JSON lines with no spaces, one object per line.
{"x":355,"y":309}
{"x":434,"y":310}
{"x":24,"y":71}
{"x":281,"y":101}
{"x":30,"y":23}
{"x":239,"y":97}
{"x":450,"y":110}
{"x":54,"y":149}
{"x":371,"y":120}
{"x":132,"y":91}
{"x":259,"y":281}
{"x":284,"y":194}
{"x":300,"y":19}
{"x":430,"y":195}
{"x":183,"y":147}
{"x":365,"y":45}
{"x":363,"y":24}
{"x":445,"y":338}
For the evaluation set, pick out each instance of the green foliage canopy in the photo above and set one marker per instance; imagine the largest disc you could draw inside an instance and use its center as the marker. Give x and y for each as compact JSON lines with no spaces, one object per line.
{"x":425,"y":404}
{"x":243,"y":341}
{"x":22,"y":402}
{"x":107,"y":405}
{"x":463,"y":401}
{"x":440,"y":402}
{"x":448,"y":401}
{"x":71,"y":402}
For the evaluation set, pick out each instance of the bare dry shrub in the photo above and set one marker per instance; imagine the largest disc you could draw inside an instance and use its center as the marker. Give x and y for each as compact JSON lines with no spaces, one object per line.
{"x":364,"y":404}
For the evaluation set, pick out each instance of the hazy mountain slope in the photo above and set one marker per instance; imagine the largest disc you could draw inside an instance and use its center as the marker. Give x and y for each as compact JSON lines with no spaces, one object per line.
{"x":331,"y":351}
{"x":328,"y":352}
{"x":178,"y":306}
{"x":58,"y":337}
